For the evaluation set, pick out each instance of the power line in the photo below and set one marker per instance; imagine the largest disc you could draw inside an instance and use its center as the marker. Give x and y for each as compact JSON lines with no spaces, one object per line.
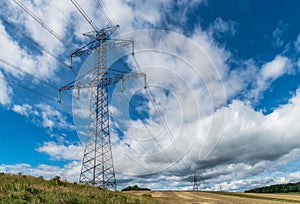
{"x":121,"y":60}
{"x":84,"y":14}
{"x":34,"y":91}
{"x":52,"y":32}
{"x":27,"y":73}
{"x":97,"y":164}
{"x":132,"y":108}
{"x":43,"y":24}
{"x":101,"y":5}
{"x":32,"y":76}
{"x":29,"y":39}
{"x":124,"y":63}
{"x":28,"y":89}
{"x":143,"y":146}
{"x":160,"y":114}
{"x":153,"y":137}
{"x":96,"y":29}
{"x":163,"y":122}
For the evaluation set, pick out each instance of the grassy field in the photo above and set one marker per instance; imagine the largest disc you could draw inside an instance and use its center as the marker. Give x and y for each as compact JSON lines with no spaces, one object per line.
{"x":26,"y":189}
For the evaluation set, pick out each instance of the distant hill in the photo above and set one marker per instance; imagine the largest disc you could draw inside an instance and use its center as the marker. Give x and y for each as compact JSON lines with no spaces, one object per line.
{"x":28,"y":189}
{"x":278,"y":188}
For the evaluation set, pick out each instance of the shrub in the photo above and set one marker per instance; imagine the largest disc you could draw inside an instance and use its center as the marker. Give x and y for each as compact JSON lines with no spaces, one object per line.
{"x":55,"y":181}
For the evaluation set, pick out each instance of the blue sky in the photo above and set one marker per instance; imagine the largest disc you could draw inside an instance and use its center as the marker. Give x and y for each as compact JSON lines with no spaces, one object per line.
{"x":223,"y":97}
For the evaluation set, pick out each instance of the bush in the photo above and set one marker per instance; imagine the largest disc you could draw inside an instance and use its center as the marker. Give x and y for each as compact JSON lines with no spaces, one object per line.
{"x":55,"y":181}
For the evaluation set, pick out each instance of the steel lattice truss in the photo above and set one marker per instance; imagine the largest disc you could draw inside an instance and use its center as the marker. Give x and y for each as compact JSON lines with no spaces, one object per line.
{"x":196,"y":182}
{"x":97,"y":164}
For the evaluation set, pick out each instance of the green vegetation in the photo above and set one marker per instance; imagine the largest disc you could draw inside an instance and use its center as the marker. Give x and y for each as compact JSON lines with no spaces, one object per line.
{"x":27,"y":189}
{"x":278,"y":188}
{"x":135,"y":188}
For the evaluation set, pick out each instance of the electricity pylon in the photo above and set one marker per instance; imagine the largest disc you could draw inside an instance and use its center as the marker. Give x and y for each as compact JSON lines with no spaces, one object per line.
{"x":97,"y":164}
{"x":196,"y":182}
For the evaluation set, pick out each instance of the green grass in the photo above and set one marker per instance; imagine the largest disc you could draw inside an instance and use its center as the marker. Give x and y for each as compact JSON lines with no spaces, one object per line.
{"x":245,"y":195}
{"x":27,"y":189}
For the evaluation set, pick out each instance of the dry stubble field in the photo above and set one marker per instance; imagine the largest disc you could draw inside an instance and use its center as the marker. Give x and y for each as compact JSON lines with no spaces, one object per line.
{"x":187,"y":197}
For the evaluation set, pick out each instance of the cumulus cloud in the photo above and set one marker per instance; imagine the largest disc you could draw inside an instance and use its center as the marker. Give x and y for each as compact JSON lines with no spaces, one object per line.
{"x":252,"y":145}
{"x":12,"y":52}
{"x":269,"y":72}
{"x":60,"y":151}
{"x":181,"y":75}
{"x":187,"y":126}
{"x":44,"y":115}
{"x":69,"y":171}
{"x":257,"y":135}
{"x":24,"y":109}
{"x":132,"y":15}
{"x":37,"y":65}
{"x":275,"y":68}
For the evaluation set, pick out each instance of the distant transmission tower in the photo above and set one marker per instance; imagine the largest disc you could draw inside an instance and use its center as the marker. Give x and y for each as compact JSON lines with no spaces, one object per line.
{"x":196,"y":182}
{"x":97,"y":164}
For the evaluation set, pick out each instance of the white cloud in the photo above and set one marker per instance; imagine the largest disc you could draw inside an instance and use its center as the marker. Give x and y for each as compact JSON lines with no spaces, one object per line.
{"x":270,"y":71}
{"x":5,"y":91}
{"x":44,"y":115}
{"x":55,"y":16}
{"x":240,"y":78}
{"x":132,"y":15}
{"x":181,"y":75}
{"x":278,"y":34}
{"x":60,"y":151}
{"x":220,"y":27}
{"x":166,"y":72}
{"x":192,"y":71}
{"x":12,"y":52}
{"x":69,"y":171}
{"x":37,"y":65}
{"x":275,"y":68}
{"x":258,"y":135}
{"x":252,"y":145}
{"x":80,"y":109}
{"x":24,"y":109}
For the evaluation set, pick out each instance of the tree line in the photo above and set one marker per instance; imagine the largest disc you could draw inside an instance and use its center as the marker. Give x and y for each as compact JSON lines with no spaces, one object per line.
{"x":278,"y":188}
{"x":135,"y":188}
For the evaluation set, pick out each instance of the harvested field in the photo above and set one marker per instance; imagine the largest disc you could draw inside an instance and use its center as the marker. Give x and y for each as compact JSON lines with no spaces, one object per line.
{"x":289,"y":196}
{"x":187,"y":197}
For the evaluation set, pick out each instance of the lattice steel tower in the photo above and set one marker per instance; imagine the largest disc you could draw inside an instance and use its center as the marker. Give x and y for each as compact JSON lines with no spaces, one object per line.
{"x":196,"y":181}
{"x":97,"y":164}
